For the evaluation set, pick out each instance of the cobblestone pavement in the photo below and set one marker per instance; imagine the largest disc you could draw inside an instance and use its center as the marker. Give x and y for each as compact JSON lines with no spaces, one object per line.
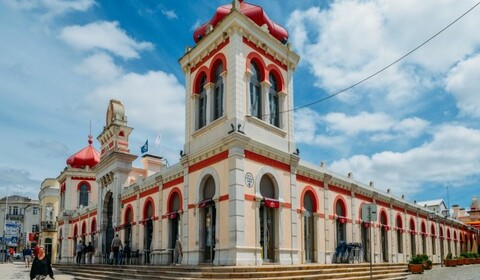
{"x":17,"y":270}
{"x":465,"y":272}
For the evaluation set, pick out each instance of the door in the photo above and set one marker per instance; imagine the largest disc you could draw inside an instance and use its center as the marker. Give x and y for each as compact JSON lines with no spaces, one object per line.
{"x":209,"y":236}
{"x":267,"y":234}
{"x":308,"y":236}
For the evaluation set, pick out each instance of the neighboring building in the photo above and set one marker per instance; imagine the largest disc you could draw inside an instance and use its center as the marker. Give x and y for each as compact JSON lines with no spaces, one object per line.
{"x":470,"y":217}
{"x":20,"y":221}
{"x":436,"y":205}
{"x":240,"y":194}
{"x":49,"y":206}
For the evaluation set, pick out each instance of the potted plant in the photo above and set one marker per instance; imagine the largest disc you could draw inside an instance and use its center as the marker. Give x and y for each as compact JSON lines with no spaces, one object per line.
{"x":415,"y":265}
{"x":427,"y":264}
{"x":449,"y":261}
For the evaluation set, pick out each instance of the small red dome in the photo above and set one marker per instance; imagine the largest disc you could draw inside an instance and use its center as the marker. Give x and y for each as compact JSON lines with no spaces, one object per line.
{"x":86,"y":157}
{"x":253,"y":12}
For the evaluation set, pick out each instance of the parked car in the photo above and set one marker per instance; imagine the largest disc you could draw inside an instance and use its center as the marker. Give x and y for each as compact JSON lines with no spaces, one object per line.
{"x":18,"y":256}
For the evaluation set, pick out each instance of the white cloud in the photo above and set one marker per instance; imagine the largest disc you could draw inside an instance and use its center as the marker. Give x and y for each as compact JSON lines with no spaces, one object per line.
{"x":353,"y":39}
{"x":153,"y":101}
{"x":170,"y":14}
{"x":100,"y":67}
{"x":463,"y":82}
{"x":451,"y":156}
{"x":363,"y":122}
{"x":52,"y":7}
{"x":103,"y":35}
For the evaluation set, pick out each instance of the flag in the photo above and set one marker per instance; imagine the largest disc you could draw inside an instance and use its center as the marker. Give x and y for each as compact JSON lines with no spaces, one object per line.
{"x":158,"y":140}
{"x":144,"y":148}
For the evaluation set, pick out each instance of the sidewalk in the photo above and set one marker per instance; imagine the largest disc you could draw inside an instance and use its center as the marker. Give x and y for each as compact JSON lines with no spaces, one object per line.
{"x":465,"y":272}
{"x":17,"y":270}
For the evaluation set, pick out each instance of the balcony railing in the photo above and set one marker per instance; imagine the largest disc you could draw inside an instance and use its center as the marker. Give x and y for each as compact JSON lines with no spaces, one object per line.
{"x":49,"y":226}
{"x":15,"y":217}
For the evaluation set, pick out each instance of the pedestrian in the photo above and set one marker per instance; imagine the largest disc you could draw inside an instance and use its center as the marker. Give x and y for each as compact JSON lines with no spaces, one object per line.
{"x":41,"y":266}
{"x":79,"y":251}
{"x":178,"y":253}
{"x":27,"y":254}
{"x":89,"y":253}
{"x":115,"y":247}
{"x":127,"y":251}
{"x":12,"y":252}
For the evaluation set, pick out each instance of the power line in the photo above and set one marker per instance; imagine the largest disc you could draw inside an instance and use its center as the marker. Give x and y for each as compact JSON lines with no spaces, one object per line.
{"x":386,"y":67}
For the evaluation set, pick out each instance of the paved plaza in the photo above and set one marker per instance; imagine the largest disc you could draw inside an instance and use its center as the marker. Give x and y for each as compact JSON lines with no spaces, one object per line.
{"x":465,"y":272}
{"x":17,"y":270}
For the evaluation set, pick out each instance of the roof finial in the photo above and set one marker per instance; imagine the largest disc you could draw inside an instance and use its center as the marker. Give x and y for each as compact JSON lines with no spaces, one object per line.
{"x":90,"y":141}
{"x":236,"y":4}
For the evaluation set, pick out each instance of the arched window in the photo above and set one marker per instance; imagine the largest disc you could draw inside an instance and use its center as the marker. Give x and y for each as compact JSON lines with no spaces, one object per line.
{"x":255,"y":92}
{"x":399,"y":235}
{"x":83,"y":195}
{"x":202,"y":103}
{"x":274,"y":101}
{"x":218,"y":93}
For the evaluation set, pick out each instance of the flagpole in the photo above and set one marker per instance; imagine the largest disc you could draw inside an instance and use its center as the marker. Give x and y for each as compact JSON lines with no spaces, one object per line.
{"x":4,"y":253}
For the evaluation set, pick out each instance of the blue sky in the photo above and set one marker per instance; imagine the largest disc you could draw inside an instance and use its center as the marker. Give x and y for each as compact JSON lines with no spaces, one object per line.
{"x":414,"y":128}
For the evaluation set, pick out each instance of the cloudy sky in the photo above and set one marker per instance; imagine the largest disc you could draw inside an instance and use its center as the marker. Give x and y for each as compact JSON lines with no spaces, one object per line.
{"x":413,"y":128}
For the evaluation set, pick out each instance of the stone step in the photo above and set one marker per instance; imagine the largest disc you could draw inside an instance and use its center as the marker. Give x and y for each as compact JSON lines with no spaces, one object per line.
{"x":347,"y":272}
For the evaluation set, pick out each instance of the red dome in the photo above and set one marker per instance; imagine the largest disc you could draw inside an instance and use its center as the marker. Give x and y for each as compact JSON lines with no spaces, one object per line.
{"x":86,"y":157}
{"x":253,"y":12}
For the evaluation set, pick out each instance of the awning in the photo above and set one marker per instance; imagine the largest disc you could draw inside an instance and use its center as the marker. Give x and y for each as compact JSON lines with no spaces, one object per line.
{"x":205,"y":203}
{"x":172,"y":216}
{"x":271,"y":203}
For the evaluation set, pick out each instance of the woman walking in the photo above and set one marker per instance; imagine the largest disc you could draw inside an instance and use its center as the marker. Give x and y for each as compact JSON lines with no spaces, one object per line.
{"x":41,"y":266}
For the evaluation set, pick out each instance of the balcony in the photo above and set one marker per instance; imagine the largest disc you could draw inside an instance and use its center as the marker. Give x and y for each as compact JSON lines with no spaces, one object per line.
{"x":49,"y":226}
{"x":15,"y":217}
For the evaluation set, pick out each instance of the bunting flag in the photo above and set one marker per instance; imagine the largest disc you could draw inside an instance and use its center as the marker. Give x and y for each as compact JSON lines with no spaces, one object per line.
{"x":144,"y":148}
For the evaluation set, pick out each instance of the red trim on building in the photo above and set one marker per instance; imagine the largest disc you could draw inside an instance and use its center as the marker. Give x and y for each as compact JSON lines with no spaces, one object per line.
{"x":339,"y":190}
{"x":84,"y":217}
{"x":191,"y":206}
{"x":267,"y":161}
{"x":314,"y":182}
{"x":129,"y":199}
{"x":210,"y":55}
{"x":286,"y":205}
{"x":223,"y":197}
{"x":149,"y":192}
{"x":267,"y":55}
{"x":207,"y":162}
{"x":249,"y":197}
{"x":172,"y":183}
{"x":84,"y":178}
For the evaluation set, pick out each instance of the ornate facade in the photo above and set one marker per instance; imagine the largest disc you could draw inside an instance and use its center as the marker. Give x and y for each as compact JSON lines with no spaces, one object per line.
{"x":240,"y":195}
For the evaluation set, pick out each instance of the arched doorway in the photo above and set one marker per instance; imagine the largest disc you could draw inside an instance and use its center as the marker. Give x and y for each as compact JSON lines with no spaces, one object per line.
{"x":309,"y":205}
{"x":208,"y":220}
{"x":148,"y":214}
{"x":340,"y":222}
{"x":384,"y":235}
{"x":108,"y":219}
{"x":433,"y":236}
{"x":75,"y":239}
{"x":174,"y":203}
{"x":455,"y":243}
{"x":413,"y":245}
{"x":399,"y":234}
{"x":93,"y":232}
{"x":424,"y":238}
{"x":267,"y":213}
{"x":449,"y":242}
{"x":442,"y":249}
{"x":48,"y":248}
{"x":128,"y":219}
{"x":365,"y":237}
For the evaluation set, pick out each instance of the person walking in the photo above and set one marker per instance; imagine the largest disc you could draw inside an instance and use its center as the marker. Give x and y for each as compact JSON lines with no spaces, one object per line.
{"x":12,"y":252}
{"x":115,"y":247}
{"x":127,"y":251}
{"x":79,"y":251}
{"x":41,"y":266}
{"x":178,"y":253}
{"x":27,"y":254}
{"x":89,"y":253}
